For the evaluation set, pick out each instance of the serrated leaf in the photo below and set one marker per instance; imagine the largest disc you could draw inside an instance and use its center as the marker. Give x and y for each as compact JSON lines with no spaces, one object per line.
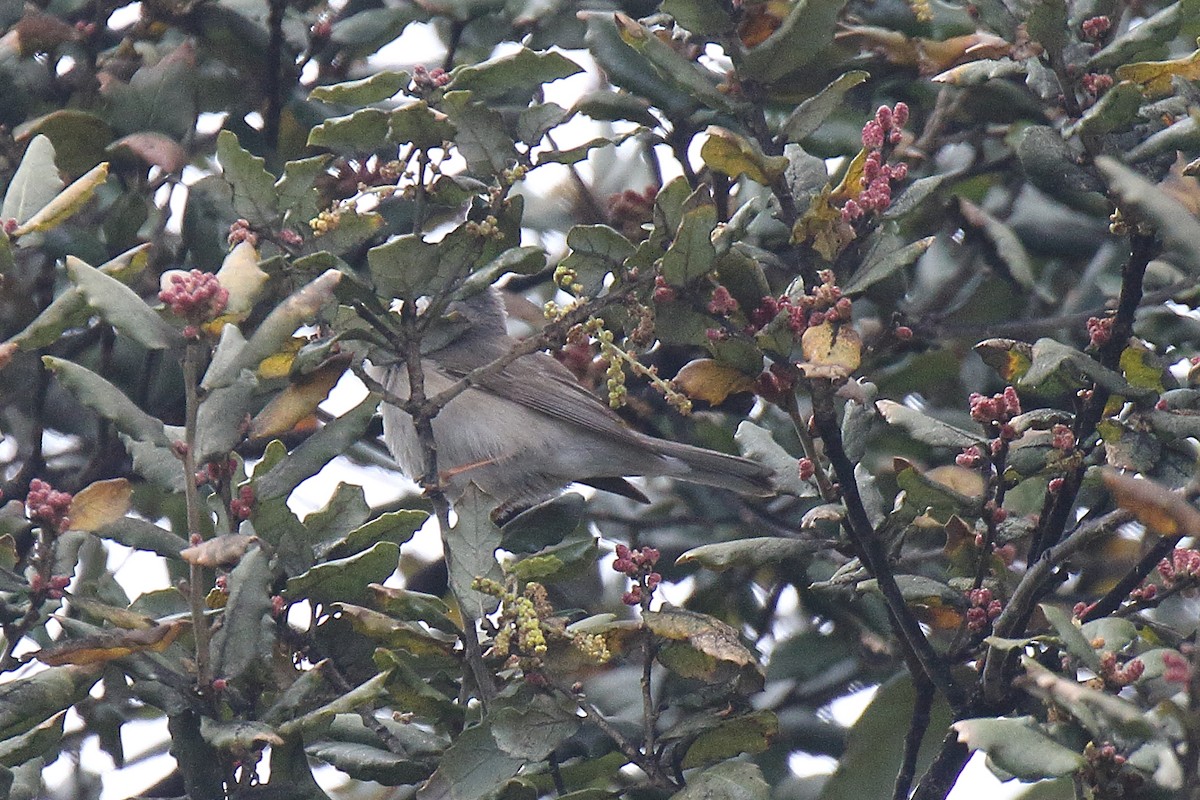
{"x":757,"y":444}
{"x":471,"y":551}
{"x":595,"y":251}
{"x":830,"y":351}
{"x":374,"y":89}
{"x":691,"y":254}
{"x":687,"y":75}
{"x":345,"y":580}
{"x":706,"y":634}
{"x":748,"y":733}
{"x":1018,"y":747}
{"x":253,"y":187}
{"x":481,"y":138}
{"x":732,"y":780}
{"x":523,"y":71}
{"x":532,"y":728}
{"x":420,"y":125}
{"x":734,"y":155}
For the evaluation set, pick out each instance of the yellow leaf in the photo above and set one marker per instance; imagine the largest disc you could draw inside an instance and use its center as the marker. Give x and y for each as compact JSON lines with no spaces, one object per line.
{"x":1141,"y":368}
{"x":66,"y":202}
{"x":734,"y":155}
{"x":240,"y":274}
{"x":296,"y":402}
{"x":710,"y":381}
{"x":830,"y":351}
{"x":1154,"y":77}
{"x":102,"y":503}
{"x":851,"y":183}
{"x":1162,"y":511}
{"x":279,"y":365}
{"x":822,"y":227}
{"x":707,"y":634}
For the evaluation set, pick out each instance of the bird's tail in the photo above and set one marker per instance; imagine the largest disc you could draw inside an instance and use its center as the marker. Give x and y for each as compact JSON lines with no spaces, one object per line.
{"x":711,"y":468}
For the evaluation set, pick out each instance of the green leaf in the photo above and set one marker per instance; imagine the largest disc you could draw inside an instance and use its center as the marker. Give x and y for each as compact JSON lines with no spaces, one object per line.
{"x":346,"y":510}
{"x":888,"y":257}
{"x":805,"y":32}
{"x":320,"y":448}
{"x":34,"y":184}
{"x":33,"y":744}
{"x":926,"y":429}
{"x":364,"y":131}
{"x":79,"y":138}
{"x":1143,"y":39}
{"x":253,"y":187}
{"x":531,"y":727}
{"x":472,"y":768}
{"x":298,"y":197}
{"x":366,"y":763}
{"x":867,"y":768}
{"x":686,"y":75}
{"x":421,"y":125}
{"x":246,"y":635}
{"x":409,"y":267}
{"x":1054,"y":362}
{"x":537,"y":119}
{"x":749,"y":733}
{"x":757,"y":444}
{"x":520,"y":73}
{"x":365,"y":693}
{"x":596,"y":251}
{"x":238,"y":736}
{"x":27,"y":702}
{"x":141,"y":534}
{"x":121,"y":307}
{"x":481,"y":139}
{"x":703,"y":17}
{"x":691,"y":254}
{"x":394,"y":526}
{"x":732,"y":780}
{"x":754,"y":552}
{"x":471,"y":552}
{"x":812,"y":113}
{"x":1018,"y":747}
{"x":108,"y":401}
{"x":374,"y":89}
{"x":1180,"y":231}
{"x":345,"y":579}
{"x":974,"y":73}
{"x":1116,"y":110}
{"x":545,"y":524}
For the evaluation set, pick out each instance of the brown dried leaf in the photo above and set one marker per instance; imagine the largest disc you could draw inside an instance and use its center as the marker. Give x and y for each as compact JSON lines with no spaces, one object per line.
{"x":831,"y":350}
{"x":1162,"y":511}
{"x":105,"y":647}
{"x":707,"y":634}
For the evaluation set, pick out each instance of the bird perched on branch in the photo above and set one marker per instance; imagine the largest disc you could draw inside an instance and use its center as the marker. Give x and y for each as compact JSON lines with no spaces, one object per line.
{"x":531,"y":428}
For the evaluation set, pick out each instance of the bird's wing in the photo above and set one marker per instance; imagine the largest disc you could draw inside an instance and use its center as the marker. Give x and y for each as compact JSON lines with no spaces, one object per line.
{"x":525,"y":382}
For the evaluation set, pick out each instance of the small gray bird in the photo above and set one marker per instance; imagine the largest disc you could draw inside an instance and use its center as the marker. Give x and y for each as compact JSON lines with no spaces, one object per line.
{"x":532,"y":428}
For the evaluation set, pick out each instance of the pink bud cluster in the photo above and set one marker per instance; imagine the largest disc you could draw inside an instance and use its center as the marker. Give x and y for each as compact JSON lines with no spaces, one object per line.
{"x":10,"y":224}
{"x":1176,"y":668}
{"x":995,"y":412}
{"x":806,"y":468}
{"x":240,"y":231}
{"x":638,"y":565}
{"x":47,"y":506}
{"x":52,"y":588}
{"x":215,"y":471}
{"x":663,"y":291}
{"x":885,"y":130}
{"x":1063,"y":438}
{"x":196,"y":296}
{"x":1117,"y":676}
{"x":983,"y":611}
{"x":970,"y":457}
{"x":242,"y":506}
{"x":722,"y":302}
{"x":823,"y":303}
{"x":1095,"y":27}
{"x":426,"y":80}
{"x":1144,"y":594}
{"x":1183,"y":567}
{"x":1096,"y":83}
{"x":1099,"y":330}
{"x":775,"y":384}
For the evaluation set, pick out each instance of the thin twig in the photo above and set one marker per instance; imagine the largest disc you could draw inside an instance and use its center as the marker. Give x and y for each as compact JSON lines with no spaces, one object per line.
{"x":196,"y":591}
{"x":917,"y":725}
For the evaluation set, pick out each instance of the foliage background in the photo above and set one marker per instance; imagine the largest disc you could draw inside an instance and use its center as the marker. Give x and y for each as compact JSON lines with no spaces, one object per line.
{"x":1022,"y":213}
